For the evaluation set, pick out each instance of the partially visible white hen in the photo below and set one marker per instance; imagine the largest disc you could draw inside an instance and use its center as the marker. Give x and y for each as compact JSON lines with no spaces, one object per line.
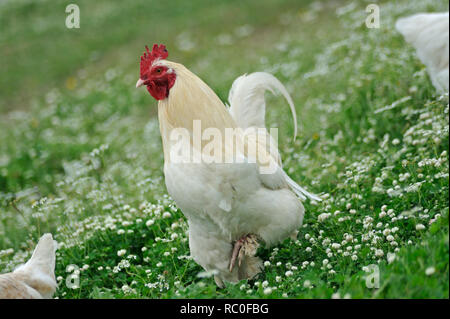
{"x":36,"y":278}
{"x":429,"y":34}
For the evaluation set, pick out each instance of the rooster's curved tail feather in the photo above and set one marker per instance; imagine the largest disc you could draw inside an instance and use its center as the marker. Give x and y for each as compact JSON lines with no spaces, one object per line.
{"x":248,"y":109}
{"x":247,"y":103}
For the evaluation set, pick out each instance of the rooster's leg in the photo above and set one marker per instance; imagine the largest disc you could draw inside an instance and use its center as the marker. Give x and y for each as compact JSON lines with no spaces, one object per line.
{"x":237,"y":248}
{"x":247,"y":245}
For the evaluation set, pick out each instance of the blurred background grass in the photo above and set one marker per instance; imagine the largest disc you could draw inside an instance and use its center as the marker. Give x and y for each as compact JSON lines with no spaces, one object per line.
{"x":38,"y":51}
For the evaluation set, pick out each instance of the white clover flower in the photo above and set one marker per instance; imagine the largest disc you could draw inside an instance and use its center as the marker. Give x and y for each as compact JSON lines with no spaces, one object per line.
{"x":336,"y":295}
{"x":121,"y":252}
{"x":390,"y":257}
{"x":159,"y":264}
{"x":335,"y":246}
{"x":268,"y":291}
{"x":174,"y":236}
{"x":127,"y":289}
{"x":323,"y":217}
{"x":288,"y":273}
{"x":379,"y":253}
{"x":278,"y":278}
{"x":265,"y":284}
{"x":420,"y":227}
{"x":266,"y":263}
{"x":166,"y":215}
{"x":430,"y":271}
{"x":307,"y":284}
{"x":120,"y":232}
{"x":325,"y":262}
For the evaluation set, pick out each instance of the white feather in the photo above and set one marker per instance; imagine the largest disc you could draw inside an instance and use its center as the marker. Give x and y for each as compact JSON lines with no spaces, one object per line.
{"x":247,"y":103}
{"x":428,"y":33}
{"x":248,"y":109}
{"x":225,"y":201}
{"x":36,"y":278}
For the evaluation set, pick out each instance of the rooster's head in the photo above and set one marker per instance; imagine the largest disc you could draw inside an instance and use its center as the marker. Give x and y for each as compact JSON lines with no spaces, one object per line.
{"x":158,"y":77}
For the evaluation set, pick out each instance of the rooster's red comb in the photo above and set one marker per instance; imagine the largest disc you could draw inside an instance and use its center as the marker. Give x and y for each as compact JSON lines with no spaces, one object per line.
{"x":158,"y":52}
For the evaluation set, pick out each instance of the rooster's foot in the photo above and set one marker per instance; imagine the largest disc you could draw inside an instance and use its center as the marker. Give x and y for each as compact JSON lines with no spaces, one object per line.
{"x":246,"y":246}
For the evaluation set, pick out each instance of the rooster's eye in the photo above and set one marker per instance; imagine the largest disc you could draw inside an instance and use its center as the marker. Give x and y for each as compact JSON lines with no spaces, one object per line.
{"x":158,"y":70}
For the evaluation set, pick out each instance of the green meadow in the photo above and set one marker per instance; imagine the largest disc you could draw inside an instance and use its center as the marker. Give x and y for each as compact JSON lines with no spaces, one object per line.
{"x":81,"y":154}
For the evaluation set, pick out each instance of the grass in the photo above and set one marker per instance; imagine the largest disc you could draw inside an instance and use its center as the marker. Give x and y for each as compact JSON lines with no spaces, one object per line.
{"x":81,"y":157}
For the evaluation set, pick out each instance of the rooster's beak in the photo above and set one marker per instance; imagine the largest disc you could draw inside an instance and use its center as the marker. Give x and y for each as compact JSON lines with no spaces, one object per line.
{"x":139,"y":83}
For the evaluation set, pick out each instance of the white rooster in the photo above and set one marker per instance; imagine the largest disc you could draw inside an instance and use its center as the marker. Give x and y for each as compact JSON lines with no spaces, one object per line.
{"x":36,"y":278}
{"x":229,"y":207}
{"x":429,"y":34}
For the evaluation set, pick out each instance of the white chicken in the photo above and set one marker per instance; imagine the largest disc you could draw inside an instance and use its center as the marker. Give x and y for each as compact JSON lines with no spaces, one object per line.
{"x":429,"y":34}
{"x":36,"y":278}
{"x":230,"y":205}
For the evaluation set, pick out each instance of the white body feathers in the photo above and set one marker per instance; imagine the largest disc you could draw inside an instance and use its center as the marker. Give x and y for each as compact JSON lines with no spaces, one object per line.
{"x":224,"y":202}
{"x":429,"y":34}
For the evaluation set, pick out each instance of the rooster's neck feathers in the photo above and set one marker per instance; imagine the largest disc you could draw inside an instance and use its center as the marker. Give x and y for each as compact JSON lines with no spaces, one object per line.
{"x":190,"y":99}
